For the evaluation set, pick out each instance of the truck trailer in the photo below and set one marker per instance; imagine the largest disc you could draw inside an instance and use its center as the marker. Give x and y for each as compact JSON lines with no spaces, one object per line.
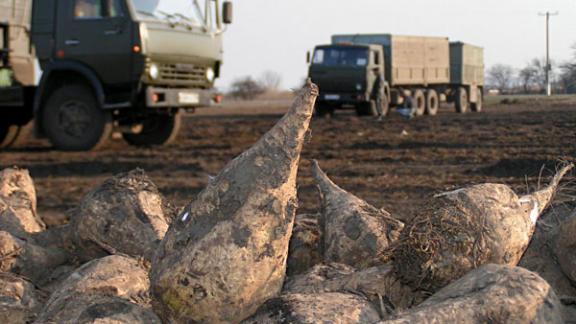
{"x":420,"y":70}
{"x":79,"y":69}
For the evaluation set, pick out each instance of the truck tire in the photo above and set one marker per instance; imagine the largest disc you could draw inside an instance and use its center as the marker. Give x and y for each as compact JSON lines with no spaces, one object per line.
{"x":419,"y":102}
{"x":73,"y":120}
{"x":157,"y":129}
{"x":477,"y":106}
{"x":432,"y":102}
{"x":323,"y":110}
{"x":366,"y":109}
{"x":461,"y":100}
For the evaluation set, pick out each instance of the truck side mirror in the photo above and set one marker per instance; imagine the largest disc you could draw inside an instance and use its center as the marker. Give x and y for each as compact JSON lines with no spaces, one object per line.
{"x":308,"y":57}
{"x":227,"y":12}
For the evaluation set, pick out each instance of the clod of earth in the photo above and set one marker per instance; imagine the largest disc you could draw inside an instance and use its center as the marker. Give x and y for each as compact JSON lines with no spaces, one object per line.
{"x":354,"y":232}
{"x":461,"y":230}
{"x":114,"y":284}
{"x":304,"y":251}
{"x":18,"y":300}
{"x":317,"y":308}
{"x":378,"y":284}
{"x":226,"y":253}
{"x":565,"y":247}
{"x":490,"y":294}
{"x":126,"y":214}
{"x":18,"y":203}
{"x":26,"y":259}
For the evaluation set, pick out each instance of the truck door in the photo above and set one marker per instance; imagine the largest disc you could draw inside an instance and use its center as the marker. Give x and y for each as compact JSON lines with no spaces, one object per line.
{"x":96,"y":33}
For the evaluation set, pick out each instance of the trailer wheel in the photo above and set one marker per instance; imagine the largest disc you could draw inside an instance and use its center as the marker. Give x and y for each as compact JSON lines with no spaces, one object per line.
{"x":419,"y":102}
{"x":432,"y":102}
{"x":461,"y":100}
{"x":73,"y":120}
{"x":366,"y":109}
{"x":323,"y":110}
{"x":477,"y":106}
{"x":157,"y":129}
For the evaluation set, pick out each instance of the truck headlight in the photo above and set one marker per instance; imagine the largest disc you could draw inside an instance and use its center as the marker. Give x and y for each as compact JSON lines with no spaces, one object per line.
{"x":210,"y":74}
{"x":153,"y":71}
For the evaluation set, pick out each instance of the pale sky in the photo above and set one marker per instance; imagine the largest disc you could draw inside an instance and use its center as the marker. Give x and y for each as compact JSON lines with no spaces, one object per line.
{"x":275,"y":34}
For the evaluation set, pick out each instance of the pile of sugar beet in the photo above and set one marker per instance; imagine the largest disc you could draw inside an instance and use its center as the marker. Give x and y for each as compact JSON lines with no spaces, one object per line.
{"x":238,"y":253}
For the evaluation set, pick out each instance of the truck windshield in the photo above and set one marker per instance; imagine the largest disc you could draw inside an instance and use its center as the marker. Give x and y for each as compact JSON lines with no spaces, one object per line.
{"x":340,"y":56}
{"x":185,"y":11}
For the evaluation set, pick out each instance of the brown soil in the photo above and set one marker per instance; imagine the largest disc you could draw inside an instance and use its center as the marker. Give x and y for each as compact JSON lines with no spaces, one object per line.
{"x":394,"y":164}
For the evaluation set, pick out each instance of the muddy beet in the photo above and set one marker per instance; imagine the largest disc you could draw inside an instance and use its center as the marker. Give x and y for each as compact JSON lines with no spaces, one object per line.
{"x":18,"y":214}
{"x":353,"y":231}
{"x":491,"y":293}
{"x":226,"y":253}
{"x":126,"y":214}
{"x":117,"y":286}
{"x":463,"y":229}
{"x":316,"y":308}
{"x":19,"y":302}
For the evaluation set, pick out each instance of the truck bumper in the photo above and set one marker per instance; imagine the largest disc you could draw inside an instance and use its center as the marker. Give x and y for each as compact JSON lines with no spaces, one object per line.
{"x":343,"y":99}
{"x":181,"y":98}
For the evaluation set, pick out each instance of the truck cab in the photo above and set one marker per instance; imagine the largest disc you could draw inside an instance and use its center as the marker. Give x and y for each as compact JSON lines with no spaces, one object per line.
{"x":91,"y":66}
{"x":346,"y":73}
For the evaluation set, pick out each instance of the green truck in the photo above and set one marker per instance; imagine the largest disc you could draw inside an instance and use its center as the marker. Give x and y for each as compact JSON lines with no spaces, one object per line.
{"x":79,"y":69}
{"x":421,"y":70}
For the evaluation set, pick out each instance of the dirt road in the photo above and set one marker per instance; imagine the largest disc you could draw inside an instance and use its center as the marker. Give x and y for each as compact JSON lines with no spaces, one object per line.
{"x":393,"y":164}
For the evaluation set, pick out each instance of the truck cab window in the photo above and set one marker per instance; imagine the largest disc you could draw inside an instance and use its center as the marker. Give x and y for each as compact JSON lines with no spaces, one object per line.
{"x":376,"y":58}
{"x":93,"y":9}
{"x":85,"y":9}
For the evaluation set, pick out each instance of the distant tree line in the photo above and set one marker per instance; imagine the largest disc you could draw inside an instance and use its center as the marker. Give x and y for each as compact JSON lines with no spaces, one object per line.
{"x":248,"y":88}
{"x":531,"y":79}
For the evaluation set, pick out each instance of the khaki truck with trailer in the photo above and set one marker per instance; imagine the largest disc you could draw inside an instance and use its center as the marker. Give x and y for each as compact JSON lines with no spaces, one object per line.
{"x":426,"y":69}
{"x":82,"y":68}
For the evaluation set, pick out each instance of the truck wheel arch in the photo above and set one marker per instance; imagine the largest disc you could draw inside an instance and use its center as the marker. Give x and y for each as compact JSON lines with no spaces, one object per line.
{"x":59,"y":73}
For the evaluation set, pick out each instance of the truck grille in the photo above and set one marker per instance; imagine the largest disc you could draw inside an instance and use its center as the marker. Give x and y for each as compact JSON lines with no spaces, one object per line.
{"x":183,"y":74}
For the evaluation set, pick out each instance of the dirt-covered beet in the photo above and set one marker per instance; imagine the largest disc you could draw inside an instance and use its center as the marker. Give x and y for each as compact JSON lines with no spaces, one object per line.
{"x":565,"y":247}
{"x":226,"y":253}
{"x":317,"y":308}
{"x":19,"y":301}
{"x":353,"y":231}
{"x":461,"y":230}
{"x":18,"y":214}
{"x":378,"y":284}
{"x":126,"y":214}
{"x":304,"y":251}
{"x":115,"y":280}
{"x":26,"y":259}
{"x":490,"y":294}
{"x":101,"y":309}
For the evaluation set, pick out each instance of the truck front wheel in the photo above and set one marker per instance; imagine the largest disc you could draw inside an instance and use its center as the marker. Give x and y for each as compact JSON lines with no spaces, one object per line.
{"x":461,"y":100}
{"x":157,"y":129}
{"x":73,"y":120}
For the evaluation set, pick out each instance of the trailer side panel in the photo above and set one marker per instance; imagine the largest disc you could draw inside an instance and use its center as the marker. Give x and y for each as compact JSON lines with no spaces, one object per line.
{"x":467,"y":64}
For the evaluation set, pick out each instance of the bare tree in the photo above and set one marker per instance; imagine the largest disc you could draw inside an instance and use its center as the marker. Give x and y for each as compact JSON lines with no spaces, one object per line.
{"x":527,"y":77}
{"x":246,"y":88}
{"x":271,"y":80}
{"x":501,"y":77}
{"x":568,"y":74}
